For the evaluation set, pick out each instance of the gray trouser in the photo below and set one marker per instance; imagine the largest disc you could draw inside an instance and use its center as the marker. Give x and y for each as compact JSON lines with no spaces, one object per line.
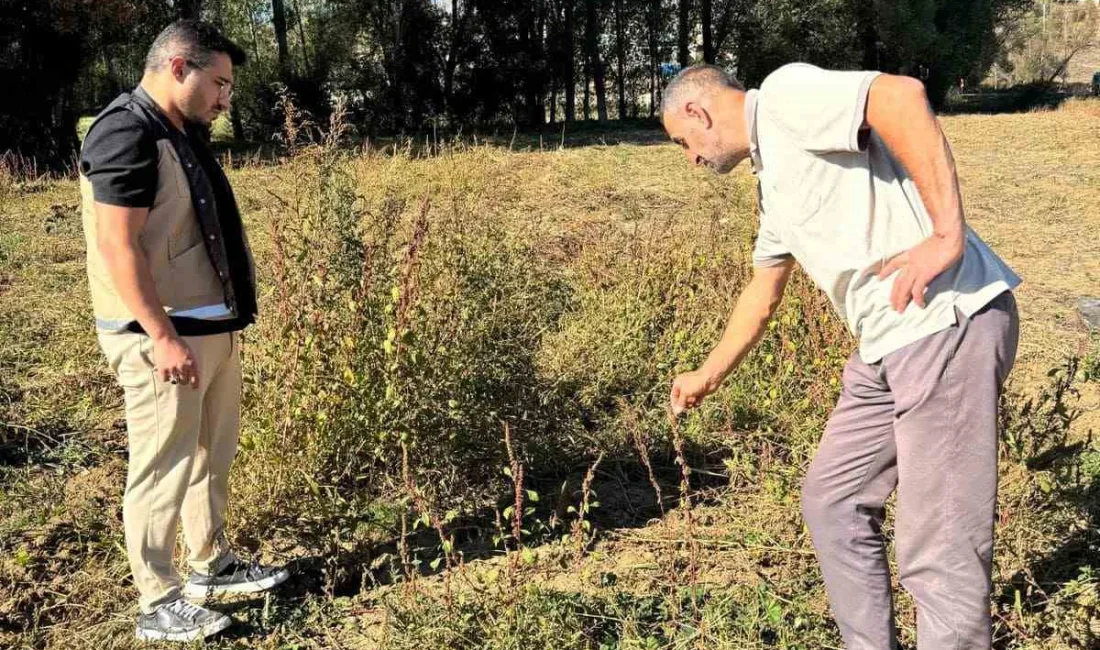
{"x":924,"y":421}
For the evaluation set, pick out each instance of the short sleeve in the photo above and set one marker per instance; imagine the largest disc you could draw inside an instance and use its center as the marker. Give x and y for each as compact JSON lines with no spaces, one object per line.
{"x":119,"y":159}
{"x":769,"y":249}
{"x":821,"y":110}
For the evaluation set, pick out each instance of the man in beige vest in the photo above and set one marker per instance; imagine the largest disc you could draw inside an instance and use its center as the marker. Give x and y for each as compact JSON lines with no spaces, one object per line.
{"x":172,"y":285}
{"x":857,"y":185}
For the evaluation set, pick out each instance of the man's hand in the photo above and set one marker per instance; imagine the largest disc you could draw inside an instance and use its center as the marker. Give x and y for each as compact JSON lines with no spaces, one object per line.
{"x":174,"y":361}
{"x":689,"y":389}
{"x":899,"y":112}
{"x":746,"y":325}
{"x":920,"y":265}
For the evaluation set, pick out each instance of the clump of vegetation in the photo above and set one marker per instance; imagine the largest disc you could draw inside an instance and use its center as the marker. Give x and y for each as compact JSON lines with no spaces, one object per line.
{"x":455,"y":425}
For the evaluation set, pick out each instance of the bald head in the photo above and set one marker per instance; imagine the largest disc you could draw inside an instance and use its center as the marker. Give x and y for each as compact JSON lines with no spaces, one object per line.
{"x":695,"y":81}
{"x":702,"y":111}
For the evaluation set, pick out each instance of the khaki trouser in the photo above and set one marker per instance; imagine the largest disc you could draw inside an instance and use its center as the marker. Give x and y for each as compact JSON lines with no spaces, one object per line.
{"x":923,"y":421}
{"x":182,"y":441}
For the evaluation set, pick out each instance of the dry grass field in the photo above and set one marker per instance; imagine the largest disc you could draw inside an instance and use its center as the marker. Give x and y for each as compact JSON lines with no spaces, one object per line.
{"x":415,"y":308}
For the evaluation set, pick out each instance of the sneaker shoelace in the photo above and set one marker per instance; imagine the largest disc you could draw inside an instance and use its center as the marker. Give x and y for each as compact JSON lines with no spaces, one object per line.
{"x":185,"y":610}
{"x":252,"y":570}
{"x":255,"y":570}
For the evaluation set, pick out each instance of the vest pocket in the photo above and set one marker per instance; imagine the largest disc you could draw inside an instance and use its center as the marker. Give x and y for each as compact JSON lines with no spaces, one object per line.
{"x":186,"y":237}
{"x":191,"y":277}
{"x":178,"y":258}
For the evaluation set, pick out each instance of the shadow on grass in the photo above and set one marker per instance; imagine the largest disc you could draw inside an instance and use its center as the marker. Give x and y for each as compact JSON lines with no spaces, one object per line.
{"x":1036,"y":591}
{"x":621,"y":486}
{"x":1034,"y":594}
{"x":1018,"y":99}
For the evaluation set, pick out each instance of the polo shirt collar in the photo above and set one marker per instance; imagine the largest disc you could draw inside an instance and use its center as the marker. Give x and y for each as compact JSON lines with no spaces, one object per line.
{"x":750,"y":125}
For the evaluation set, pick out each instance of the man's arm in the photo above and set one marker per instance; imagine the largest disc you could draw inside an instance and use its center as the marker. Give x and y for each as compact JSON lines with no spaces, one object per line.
{"x":746,"y":325}
{"x":118,"y":230}
{"x":898,"y":111}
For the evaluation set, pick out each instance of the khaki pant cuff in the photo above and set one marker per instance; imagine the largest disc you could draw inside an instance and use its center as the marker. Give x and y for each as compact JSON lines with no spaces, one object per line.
{"x":148,"y":605}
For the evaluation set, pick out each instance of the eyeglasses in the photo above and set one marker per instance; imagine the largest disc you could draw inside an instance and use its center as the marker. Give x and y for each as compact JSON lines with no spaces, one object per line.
{"x":225,"y":88}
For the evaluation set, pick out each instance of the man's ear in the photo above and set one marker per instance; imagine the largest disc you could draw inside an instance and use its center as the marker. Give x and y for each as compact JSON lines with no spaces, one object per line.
{"x":178,"y":66}
{"x":695,"y":111}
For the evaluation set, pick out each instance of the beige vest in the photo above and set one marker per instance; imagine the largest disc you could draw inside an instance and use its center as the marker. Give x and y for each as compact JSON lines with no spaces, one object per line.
{"x":185,"y":279}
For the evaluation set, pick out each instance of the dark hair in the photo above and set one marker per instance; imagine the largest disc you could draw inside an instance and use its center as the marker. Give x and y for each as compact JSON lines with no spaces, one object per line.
{"x":694,"y":78}
{"x":195,"y":41}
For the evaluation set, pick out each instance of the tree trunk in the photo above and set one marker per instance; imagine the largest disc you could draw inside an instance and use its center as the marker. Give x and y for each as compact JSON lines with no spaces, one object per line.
{"x":868,"y":35}
{"x":238,"y":125}
{"x":278,"y":16}
{"x":1061,"y":68}
{"x":570,"y":66}
{"x":654,"y":53}
{"x":636,"y":88}
{"x":398,"y":67}
{"x":65,"y":127}
{"x":595,"y":63}
{"x":652,"y":93}
{"x":523,"y":17}
{"x":114,"y":84}
{"x":587,"y":93}
{"x":708,"y":31}
{"x":302,"y":38}
{"x":452,"y":59}
{"x":252,"y":31}
{"x":683,"y":54}
{"x":620,"y":55}
{"x":553,"y":104}
{"x":731,"y":9}
{"x":188,"y":9}
{"x":531,"y":40}
{"x":545,"y":79}
{"x":601,"y":93}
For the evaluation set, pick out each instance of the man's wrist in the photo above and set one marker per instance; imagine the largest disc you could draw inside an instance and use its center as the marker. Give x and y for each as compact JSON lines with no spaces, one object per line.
{"x":954,"y":240}
{"x":163,"y":335}
{"x":714,"y":373}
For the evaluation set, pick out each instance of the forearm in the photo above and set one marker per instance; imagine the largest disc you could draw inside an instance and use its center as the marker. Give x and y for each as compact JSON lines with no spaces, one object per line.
{"x":129,"y":271}
{"x":746,"y":325}
{"x":898,"y":111}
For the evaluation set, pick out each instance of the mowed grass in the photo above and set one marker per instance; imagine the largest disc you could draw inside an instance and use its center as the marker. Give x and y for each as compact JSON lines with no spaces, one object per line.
{"x":557,"y":291}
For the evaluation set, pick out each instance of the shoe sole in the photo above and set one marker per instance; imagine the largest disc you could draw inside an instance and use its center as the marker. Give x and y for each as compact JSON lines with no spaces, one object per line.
{"x":201,"y":591}
{"x":206,"y":631}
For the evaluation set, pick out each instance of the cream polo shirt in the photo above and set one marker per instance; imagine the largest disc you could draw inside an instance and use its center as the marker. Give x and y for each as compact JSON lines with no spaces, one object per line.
{"x":834,"y":198}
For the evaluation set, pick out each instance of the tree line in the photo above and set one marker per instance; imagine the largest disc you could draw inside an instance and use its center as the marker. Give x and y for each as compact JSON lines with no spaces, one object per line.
{"x":402,"y":66}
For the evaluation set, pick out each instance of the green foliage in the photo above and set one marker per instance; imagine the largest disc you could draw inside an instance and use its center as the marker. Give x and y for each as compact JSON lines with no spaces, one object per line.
{"x":555,"y":291}
{"x":1039,"y":46}
{"x":423,"y":66}
{"x":403,"y":335}
{"x":1032,"y":426}
{"x":615,"y":619}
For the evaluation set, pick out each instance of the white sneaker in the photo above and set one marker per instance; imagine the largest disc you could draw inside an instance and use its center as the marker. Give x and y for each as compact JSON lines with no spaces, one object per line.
{"x":236,"y":578}
{"x":180,"y":620}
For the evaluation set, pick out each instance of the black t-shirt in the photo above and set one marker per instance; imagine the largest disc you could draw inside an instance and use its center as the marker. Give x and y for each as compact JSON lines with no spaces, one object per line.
{"x":119,"y":158}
